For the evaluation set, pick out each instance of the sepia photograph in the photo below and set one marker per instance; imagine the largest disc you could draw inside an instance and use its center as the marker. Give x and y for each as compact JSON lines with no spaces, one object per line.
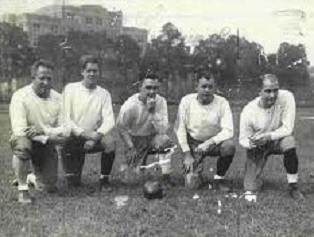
{"x":156,"y":118}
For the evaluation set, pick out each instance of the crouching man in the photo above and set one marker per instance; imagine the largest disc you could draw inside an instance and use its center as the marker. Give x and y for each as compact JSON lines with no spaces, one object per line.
{"x":143,"y":123}
{"x":266,"y":128}
{"x":87,"y":109}
{"x":204,"y":127}
{"x":34,"y":112}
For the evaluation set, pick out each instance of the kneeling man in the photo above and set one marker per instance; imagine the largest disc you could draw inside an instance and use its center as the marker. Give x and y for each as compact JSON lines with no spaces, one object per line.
{"x":143,"y":123}
{"x":204,"y":127}
{"x":34,"y":112}
{"x":266,"y":127}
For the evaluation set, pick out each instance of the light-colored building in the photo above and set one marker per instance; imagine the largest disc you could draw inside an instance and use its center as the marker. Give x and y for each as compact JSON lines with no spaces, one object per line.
{"x":58,"y":20}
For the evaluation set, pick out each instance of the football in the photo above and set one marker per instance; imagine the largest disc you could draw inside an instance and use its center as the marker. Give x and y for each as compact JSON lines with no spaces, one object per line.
{"x":153,"y":190}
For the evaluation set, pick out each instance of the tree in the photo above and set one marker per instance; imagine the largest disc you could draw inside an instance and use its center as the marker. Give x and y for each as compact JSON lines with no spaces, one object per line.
{"x":168,"y":55}
{"x":15,"y":54}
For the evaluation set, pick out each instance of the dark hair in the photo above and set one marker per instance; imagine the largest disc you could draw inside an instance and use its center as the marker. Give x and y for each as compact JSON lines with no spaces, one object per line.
{"x":148,"y":75}
{"x":85,"y":59}
{"x":204,"y":74}
{"x":41,"y":63}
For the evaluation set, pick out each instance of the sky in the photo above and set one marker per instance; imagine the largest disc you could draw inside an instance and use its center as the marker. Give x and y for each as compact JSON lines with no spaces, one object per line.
{"x":268,"y":22}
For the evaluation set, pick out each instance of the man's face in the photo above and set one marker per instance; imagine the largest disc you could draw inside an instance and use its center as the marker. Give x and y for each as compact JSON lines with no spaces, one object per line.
{"x":269,"y":93}
{"x":91,"y":74}
{"x":205,"y":89}
{"x":149,"y":88}
{"x":42,"y":81}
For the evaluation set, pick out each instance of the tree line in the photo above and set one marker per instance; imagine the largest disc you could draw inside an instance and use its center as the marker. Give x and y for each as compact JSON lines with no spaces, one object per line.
{"x":235,"y":61}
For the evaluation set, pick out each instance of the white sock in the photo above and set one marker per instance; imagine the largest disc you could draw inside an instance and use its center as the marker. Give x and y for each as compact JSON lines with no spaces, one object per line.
{"x":219,"y":177}
{"x":292,"y":178}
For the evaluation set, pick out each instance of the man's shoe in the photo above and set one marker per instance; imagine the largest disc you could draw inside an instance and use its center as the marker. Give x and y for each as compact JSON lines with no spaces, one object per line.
{"x":294,"y":192}
{"x":221,"y":185}
{"x":104,"y":184}
{"x":24,"y":197}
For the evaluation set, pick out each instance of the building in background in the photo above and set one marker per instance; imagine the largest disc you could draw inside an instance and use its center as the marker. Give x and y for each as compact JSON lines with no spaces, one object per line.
{"x":60,"y":19}
{"x":137,"y":34}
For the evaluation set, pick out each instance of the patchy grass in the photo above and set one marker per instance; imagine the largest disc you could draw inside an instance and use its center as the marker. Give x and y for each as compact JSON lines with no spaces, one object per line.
{"x":88,"y":212}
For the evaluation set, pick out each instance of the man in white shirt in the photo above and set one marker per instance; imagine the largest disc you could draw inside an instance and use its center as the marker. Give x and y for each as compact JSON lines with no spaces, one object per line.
{"x":266,"y":127}
{"x":204,"y":127}
{"x":143,"y":124}
{"x":87,"y":107}
{"x":34,"y":112}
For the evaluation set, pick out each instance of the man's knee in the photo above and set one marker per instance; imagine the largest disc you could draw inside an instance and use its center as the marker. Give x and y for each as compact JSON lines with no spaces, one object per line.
{"x":161,"y":142}
{"x":227,"y":148}
{"x":108,"y":143}
{"x":21,"y":147}
{"x":287,"y":143}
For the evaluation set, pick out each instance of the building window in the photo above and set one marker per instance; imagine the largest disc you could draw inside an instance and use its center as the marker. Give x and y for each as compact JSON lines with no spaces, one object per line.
{"x":89,"y":20}
{"x":99,"y":21}
{"x":69,"y":16}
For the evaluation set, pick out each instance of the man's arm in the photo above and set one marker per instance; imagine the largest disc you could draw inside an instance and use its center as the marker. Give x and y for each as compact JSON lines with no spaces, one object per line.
{"x":226,"y":123}
{"x":18,"y":115}
{"x":160,"y":118}
{"x":180,"y":127}
{"x":288,"y":119}
{"x":108,"y":122}
{"x":246,"y":131}
{"x":66,"y":108}
{"x":124,"y":122}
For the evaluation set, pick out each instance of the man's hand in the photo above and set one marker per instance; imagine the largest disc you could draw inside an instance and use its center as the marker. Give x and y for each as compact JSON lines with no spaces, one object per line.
{"x":32,"y":132}
{"x":202,"y":148}
{"x":188,"y":162}
{"x":91,"y":135}
{"x":260,"y":139}
{"x":89,"y":145}
{"x":131,"y":156}
{"x":151,"y":104}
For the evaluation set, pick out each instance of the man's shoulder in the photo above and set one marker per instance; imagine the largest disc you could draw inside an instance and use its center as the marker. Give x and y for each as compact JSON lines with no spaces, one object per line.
{"x":72,"y":85}
{"x":55,"y":95}
{"x":252,"y":104}
{"x":285,"y":94}
{"x":189,"y":97}
{"x":220,"y":99}
{"x":24,"y":91}
{"x":103,"y":90}
{"x":160,"y":98}
{"x":132,"y":100}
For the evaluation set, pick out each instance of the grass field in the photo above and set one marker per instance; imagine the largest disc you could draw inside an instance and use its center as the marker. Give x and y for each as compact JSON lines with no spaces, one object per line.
{"x":87,"y":212}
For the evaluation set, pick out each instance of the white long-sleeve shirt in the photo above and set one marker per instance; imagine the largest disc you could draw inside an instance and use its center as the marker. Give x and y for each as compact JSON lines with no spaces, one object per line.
{"x":29,"y":110}
{"x":277,"y":120}
{"x":135,"y":119}
{"x":202,"y":122}
{"x":87,"y":109}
